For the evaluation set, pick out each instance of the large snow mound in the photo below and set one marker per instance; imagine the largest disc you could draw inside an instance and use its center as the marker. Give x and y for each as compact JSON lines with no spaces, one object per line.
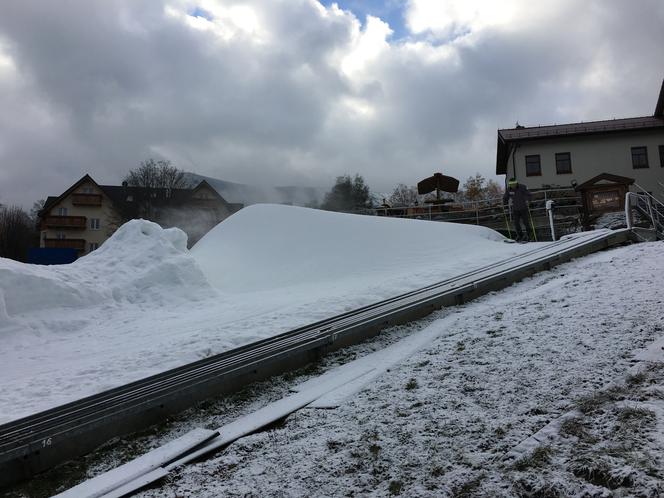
{"x":268,"y":246}
{"x":140,"y":264}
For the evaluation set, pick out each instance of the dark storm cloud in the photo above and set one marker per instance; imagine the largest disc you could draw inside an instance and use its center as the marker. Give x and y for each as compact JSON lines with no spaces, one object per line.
{"x":98,"y":86}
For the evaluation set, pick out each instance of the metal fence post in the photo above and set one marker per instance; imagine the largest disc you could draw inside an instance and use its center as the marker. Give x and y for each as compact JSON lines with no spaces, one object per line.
{"x":628,"y":210}
{"x":549,"y":210}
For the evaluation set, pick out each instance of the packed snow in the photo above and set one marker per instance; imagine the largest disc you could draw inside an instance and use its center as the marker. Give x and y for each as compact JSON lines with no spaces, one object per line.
{"x":143,"y":303}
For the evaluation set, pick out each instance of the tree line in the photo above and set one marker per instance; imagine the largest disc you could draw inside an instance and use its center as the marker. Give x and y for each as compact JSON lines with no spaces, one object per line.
{"x":353,"y":194}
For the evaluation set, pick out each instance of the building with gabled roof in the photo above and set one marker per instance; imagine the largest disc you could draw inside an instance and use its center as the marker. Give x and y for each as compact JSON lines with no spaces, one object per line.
{"x":87,"y":214}
{"x":569,"y":155}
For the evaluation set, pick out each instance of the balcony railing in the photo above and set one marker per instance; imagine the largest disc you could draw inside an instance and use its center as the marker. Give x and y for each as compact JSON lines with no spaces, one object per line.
{"x":86,"y":199}
{"x":75,"y":222}
{"x":78,"y":244}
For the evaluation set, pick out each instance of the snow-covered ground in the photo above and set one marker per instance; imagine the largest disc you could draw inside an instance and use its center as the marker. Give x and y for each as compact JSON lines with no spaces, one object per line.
{"x":503,"y":367}
{"x":142,"y":303}
{"x":554,"y":354}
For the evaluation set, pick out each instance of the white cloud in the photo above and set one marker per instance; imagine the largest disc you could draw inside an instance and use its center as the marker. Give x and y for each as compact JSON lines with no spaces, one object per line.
{"x":451,"y":20}
{"x":8,"y":70}
{"x":292,"y":92}
{"x":366,"y":47}
{"x":225,"y":20}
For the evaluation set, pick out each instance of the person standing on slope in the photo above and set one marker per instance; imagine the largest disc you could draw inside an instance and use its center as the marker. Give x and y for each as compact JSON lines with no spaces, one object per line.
{"x":520,"y":196}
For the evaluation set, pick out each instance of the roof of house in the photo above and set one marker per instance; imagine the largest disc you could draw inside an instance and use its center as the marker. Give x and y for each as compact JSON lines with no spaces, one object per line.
{"x":523,"y":133}
{"x":509,"y":136}
{"x":659,"y":108}
{"x":124,"y":197}
{"x":623,"y":180}
{"x":52,"y":200}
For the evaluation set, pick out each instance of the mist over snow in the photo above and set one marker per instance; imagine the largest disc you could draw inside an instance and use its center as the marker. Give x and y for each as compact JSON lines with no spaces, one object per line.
{"x":143,"y":303}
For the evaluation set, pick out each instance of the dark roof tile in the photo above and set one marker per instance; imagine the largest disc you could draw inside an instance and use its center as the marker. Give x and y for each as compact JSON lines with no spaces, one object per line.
{"x":610,"y":125}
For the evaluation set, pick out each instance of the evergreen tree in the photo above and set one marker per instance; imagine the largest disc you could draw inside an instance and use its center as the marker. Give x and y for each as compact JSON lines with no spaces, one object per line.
{"x":348,"y":194}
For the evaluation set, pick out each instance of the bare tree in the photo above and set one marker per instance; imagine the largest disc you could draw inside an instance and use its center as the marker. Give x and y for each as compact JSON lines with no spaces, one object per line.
{"x":37,"y":206}
{"x":404,"y":195}
{"x":156,"y":174}
{"x":17,"y":233}
{"x":478,"y":188}
{"x":157,"y":178}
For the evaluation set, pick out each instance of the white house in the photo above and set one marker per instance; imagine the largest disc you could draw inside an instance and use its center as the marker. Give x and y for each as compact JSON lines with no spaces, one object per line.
{"x":605,"y":157}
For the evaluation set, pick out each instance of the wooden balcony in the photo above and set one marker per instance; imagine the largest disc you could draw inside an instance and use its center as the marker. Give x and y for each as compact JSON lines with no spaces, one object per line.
{"x":73,"y":222}
{"x":78,"y":244}
{"x":86,"y":199}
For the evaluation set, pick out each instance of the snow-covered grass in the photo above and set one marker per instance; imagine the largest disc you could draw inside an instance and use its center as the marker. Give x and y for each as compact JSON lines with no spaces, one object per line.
{"x":507,"y":365}
{"x":142,"y":303}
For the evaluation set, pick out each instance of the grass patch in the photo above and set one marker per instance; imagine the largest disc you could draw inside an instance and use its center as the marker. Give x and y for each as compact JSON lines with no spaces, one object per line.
{"x":411,"y":385}
{"x":577,"y":427}
{"x":395,"y":487}
{"x":540,"y":457}
{"x":594,"y":402}
{"x":468,"y":488}
{"x":374,"y":449}
{"x":637,"y":378}
{"x":334,"y":445}
{"x":597,"y":472}
{"x":437,"y":471}
{"x":635,"y":417}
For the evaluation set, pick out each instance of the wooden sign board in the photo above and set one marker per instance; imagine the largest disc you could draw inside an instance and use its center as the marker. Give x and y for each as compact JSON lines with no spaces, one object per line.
{"x":438,"y":182}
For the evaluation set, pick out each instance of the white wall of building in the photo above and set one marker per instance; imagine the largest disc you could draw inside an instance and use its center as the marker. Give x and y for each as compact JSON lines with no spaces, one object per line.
{"x":105,"y":213}
{"x":592,"y":155}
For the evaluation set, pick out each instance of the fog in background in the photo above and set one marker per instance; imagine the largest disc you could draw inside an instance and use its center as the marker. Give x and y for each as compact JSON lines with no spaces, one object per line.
{"x":296,"y":92}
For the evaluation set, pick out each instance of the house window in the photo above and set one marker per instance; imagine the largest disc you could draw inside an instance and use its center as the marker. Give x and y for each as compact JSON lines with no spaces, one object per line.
{"x":533,"y":166}
{"x":563,"y":163}
{"x":94,"y":224}
{"x":92,"y":246}
{"x":639,"y":157}
{"x":661,"y":156}
{"x":88,"y":190}
{"x":62,"y":211}
{"x":60,"y":235}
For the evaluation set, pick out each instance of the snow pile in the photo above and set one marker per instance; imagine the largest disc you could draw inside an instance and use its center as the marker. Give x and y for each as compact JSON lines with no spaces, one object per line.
{"x":140,"y":264}
{"x":272,"y":246}
{"x":144,"y":263}
{"x":612,"y":221}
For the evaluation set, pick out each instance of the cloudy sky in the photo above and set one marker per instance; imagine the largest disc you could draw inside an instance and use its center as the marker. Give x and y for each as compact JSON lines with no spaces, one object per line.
{"x":296,"y":92}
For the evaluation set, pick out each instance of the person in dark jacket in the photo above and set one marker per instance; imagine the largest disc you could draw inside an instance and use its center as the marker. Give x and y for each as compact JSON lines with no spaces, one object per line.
{"x":520,"y":196}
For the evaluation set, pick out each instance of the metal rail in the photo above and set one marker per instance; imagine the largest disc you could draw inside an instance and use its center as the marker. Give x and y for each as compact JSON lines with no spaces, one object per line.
{"x":38,"y":442}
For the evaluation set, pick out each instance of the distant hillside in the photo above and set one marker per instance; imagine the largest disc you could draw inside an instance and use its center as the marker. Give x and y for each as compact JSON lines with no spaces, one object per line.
{"x":252,"y":194}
